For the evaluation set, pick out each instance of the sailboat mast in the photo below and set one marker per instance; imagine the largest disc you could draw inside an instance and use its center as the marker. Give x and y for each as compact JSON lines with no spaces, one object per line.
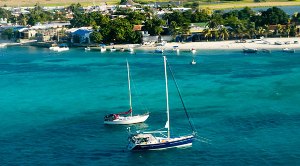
{"x":129,"y":88}
{"x":167,"y":97}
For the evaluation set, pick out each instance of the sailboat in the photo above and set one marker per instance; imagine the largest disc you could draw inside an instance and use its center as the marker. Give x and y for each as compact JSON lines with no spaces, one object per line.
{"x":124,"y":118}
{"x":149,"y":140}
{"x":193,"y":62}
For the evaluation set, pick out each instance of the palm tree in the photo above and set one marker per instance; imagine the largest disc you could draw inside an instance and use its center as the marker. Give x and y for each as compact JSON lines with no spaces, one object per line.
{"x":207,"y":34}
{"x":223,"y":33}
{"x":261,"y":31}
{"x":267,"y":30}
{"x":251,"y":29}
{"x":22,"y":19}
{"x":279,"y":29}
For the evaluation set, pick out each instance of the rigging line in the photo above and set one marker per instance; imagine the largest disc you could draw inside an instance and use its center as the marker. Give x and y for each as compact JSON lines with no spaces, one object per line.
{"x":185,"y":110}
{"x":138,"y":94}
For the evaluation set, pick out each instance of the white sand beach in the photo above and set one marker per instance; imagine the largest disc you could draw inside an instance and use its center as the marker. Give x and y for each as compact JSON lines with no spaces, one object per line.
{"x":266,"y":43}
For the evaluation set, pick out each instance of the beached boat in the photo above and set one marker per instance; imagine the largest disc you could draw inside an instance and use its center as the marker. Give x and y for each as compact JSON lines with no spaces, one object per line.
{"x":279,"y":43}
{"x":288,"y":50}
{"x":125,"y":117}
{"x":250,"y":50}
{"x":159,"y":50}
{"x":155,"y":140}
{"x":122,"y":49}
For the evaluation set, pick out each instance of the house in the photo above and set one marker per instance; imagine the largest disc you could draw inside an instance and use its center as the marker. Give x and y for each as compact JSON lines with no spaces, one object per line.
{"x":80,"y":35}
{"x":43,"y":32}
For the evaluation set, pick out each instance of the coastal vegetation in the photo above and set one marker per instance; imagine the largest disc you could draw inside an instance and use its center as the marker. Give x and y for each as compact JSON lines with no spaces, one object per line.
{"x":118,"y":28}
{"x":213,"y":4}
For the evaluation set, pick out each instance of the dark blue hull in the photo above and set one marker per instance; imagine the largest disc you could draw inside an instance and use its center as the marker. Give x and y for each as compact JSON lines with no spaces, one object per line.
{"x":165,"y":145}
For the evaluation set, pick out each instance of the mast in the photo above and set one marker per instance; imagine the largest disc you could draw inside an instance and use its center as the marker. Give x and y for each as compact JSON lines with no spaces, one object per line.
{"x":167,"y":97}
{"x":129,"y":88}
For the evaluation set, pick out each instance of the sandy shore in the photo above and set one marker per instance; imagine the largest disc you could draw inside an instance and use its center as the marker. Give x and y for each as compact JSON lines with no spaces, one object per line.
{"x":266,"y":43}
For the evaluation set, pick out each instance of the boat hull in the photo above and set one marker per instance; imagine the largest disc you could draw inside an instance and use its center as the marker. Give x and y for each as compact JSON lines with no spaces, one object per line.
{"x":173,"y":143}
{"x":128,"y":120}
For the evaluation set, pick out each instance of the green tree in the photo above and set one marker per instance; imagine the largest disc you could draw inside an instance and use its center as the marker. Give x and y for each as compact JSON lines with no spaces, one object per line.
{"x":8,"y":33}
{"x":22,"y":19}
{"x":207,"y":34}
{"x":223,"y":33}
{"x":38,"y":15}
{"x":274,"y":16}
{"x":5,"y":13}
{"x":96,"y":37}
{"x":154,"y":25}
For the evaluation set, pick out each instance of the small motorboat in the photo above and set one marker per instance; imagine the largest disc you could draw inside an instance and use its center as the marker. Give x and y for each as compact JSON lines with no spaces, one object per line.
{"x":87,"y":49}
{"x":113,"y":49}
{"x":159,"y":50}
{"x":250,"y":50}
{"x":2,"y":45}
{"x":288,"y":50}
{"x":53,"y":48}
{"x":60,"y":48}
{"x":122,"y":49}
{"x":102,"y":49}
{"x":176,"y":48}
{"x":131,"y":50}
{"x":266,"y":51}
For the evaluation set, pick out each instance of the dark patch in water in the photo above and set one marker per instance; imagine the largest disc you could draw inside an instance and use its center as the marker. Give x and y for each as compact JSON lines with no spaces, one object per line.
{"x":26,"y":68}
{"x":57,"y":60}
{"x":258,"y":121}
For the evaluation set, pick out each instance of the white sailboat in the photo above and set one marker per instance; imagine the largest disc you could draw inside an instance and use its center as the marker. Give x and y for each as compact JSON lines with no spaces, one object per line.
{"x":193,"y":50}
{"x":123,"y":117}
{"x":193,"y":62}
{"x":149,"y":140}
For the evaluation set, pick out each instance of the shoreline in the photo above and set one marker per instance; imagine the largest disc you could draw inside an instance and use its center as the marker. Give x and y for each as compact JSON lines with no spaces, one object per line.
{"x":266,"y":43}
{"x":259,"y":44}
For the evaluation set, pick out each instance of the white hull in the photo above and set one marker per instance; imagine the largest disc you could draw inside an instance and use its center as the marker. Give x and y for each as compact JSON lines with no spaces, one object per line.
{"x":103,"y":49}
{"x":128,"y":120}
{"x":3,"y":45}
{"x":158,"y":143}
{"x":62,"y":49}
{"x":130,"y":50}
{"x":53,"y":48}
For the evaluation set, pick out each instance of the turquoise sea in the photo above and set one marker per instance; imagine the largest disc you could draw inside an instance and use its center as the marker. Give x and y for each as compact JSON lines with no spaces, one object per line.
{"x":246,"y":108}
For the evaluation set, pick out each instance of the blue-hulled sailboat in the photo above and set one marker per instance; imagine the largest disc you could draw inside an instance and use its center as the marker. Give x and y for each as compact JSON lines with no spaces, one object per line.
{"x":150,"y":140}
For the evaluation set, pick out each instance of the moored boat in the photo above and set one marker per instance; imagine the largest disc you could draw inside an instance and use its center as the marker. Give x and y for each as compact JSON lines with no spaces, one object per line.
{"x":250,"y":50}
{"x":150,"y":140}
{"x":127,"y":117}
{"x":113,"y":49}
{"x":193,"y":62}
{"x":288,"y":50}
{"x":159,"y":50}
{"x":193,"y":50}
{"x":87,"y":49}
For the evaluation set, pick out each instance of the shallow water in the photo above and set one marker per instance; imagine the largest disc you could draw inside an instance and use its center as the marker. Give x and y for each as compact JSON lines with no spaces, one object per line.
{"x":244,"y":107}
